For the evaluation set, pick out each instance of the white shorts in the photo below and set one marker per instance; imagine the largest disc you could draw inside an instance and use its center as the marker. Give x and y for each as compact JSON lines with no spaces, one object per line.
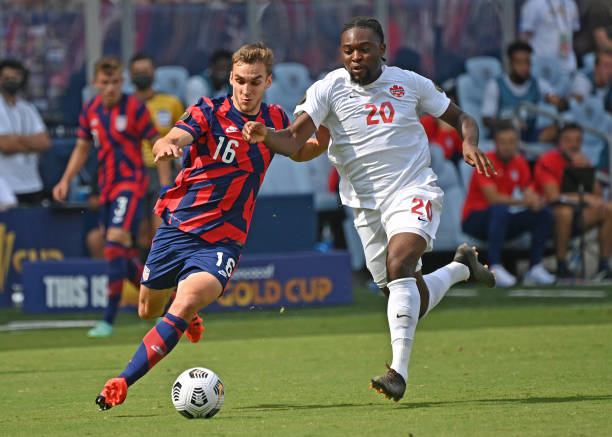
{"x":415,"y":210}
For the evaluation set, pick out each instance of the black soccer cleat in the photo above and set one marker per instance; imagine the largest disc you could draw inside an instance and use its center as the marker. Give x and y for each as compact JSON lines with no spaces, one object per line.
{"x":101,"y":403}
{"x":391,"y":385}
{"x":468,"y":256}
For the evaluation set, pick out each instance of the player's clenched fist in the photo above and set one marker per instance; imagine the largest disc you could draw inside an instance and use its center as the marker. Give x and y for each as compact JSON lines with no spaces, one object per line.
{"x":254,"y":132}
{"x":60,"y":191}
{"x":165,"y":150}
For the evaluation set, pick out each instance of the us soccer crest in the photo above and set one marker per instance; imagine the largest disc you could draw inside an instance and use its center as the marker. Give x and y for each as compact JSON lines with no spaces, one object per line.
{"x":121,"y":123}
{"x":397,"y":91}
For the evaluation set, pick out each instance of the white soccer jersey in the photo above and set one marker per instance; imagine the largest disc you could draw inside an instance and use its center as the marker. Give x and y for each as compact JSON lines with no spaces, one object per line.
{"x":378,"y":144}
{"x":20,"y":170}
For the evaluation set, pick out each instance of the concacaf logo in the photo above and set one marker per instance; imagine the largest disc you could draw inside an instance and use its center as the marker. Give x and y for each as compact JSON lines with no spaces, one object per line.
{"x":397,"y":90}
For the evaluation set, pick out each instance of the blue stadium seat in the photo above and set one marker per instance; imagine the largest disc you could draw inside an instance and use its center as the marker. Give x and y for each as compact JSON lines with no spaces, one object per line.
{"x":588,"y":62}
{"x":171,"y":79}
{"x":550,"y":70}
{"x":290,"y":82}
{"x":471,"y":85}
{"x":483,"y":68}
{"x":465,"y":171}
{"x":449,"y":232}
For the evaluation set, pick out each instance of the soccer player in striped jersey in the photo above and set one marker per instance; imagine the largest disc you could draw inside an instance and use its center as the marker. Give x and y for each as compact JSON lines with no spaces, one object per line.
{"x":206,"y":214}
{"x":381,"y":152}
{"x":115,"y":123}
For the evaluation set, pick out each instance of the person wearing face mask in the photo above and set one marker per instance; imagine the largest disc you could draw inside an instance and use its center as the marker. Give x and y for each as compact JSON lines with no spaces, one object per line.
{"x":165,"y":111}
{"x":23,"y":136}
{"x":504,"y":93}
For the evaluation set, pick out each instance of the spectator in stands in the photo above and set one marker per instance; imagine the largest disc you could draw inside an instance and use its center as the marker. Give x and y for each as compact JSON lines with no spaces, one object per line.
{"x":165,"y":110}
{"x":212,"y":82}
{"x":503,"y":94}
{"x":597,"y":82}
{"x":23,"y":136}
{"x":595,"y":28}
{"x":549,"y":26}
{"x":596,"y":212}
{"x":504,"y":206}
{"x":443,"y":134}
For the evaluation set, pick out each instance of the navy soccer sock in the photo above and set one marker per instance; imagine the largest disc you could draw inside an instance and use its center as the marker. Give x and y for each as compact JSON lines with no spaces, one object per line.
{"x":116,"y":260}
{"x":156,"y":344}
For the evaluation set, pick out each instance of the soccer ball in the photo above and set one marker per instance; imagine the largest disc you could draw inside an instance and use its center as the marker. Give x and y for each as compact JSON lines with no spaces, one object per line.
{"x":198,"y":393}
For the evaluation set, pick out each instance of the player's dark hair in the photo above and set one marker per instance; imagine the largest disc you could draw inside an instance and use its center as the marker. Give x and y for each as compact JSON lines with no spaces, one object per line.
{"x":518,"y":46}
{"x":502,"y":126}
{"x":220,"y":54}
{"x":108,"y":65}
{"x":569,"y":126}
{"x":15,"y":65}
{"x":254,"y":53}
{"x":368,"y":23}
{"x":142,"y":56}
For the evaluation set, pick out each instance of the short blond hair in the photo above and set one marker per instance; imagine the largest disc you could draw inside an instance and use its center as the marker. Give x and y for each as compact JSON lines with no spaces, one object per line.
{"x":253,"y":54}
{"x":108,"y":65}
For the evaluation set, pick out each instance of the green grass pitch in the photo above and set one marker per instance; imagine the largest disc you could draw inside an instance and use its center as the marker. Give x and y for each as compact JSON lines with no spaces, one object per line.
{"x":491,"y":365}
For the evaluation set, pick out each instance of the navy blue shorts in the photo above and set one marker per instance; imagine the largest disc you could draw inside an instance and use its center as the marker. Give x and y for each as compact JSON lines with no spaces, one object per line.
{"x":125,"y":211}
{"x":176,"y":254}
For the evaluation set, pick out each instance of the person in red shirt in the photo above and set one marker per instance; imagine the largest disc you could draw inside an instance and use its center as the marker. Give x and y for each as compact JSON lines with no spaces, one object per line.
{"x":504,"y":206}
{"x":443,"y":134}
{"x":548,"y":174}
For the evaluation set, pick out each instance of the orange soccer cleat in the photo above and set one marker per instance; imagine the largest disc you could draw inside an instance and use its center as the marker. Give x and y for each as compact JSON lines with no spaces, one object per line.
{"x":113,"y":393}
{"x":195,"y":329}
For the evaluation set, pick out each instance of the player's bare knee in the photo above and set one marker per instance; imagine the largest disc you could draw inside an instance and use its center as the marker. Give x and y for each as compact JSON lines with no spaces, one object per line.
{"x":119,"y":235}
{"x":564,"y":213}
{"x":402,"y":265}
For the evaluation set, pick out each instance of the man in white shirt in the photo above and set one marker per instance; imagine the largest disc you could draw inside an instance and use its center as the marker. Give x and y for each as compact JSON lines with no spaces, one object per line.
{"x":382,"y":155}
{"x":503,"y":94}
{"x":549,"y":26}
{"x":22,"y":136}
{"x":597,"y":82}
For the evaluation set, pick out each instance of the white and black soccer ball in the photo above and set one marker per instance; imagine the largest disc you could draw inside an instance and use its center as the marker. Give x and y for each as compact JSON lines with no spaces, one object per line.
{"x":198,"y":393}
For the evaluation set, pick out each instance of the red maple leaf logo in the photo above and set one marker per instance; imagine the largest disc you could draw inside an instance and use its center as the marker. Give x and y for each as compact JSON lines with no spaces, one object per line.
{"x":397,"y":90}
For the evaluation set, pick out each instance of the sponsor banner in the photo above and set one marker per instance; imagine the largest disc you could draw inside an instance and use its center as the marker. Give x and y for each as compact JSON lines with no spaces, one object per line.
{"x":35,"y":234}
{"x":259,"y":281}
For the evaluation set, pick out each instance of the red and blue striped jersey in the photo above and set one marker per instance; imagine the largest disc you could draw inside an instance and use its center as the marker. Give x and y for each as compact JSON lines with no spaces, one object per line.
{"x":214,"y":195}
{"x":117,"y":133}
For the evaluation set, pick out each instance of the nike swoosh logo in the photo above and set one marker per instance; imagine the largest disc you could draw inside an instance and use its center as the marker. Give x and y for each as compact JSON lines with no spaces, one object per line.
{"x":422,"y":219}
{"x":351,"y":96}
{"x":158,"y":350}
{"x":403,"y":315}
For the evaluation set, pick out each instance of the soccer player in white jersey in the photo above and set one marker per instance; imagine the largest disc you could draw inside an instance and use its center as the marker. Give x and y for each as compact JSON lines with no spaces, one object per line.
{"x":382,"y":155}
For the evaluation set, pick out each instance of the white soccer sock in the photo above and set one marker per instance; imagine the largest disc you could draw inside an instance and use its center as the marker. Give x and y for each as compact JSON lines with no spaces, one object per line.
{"x":403,"y":315}
{"x":440,"y":281}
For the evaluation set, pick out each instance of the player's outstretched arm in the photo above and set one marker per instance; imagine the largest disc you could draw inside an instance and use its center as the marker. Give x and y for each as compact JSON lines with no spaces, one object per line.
{"x":171,"y":146}
{"x":75,"y":163}
{"x":467,"y":128}
{"x":286,"y":141}
{"x":314,"y":146}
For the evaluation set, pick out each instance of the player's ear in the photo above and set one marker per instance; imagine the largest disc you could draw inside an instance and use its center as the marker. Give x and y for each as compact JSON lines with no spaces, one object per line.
{"x":269,"y":81}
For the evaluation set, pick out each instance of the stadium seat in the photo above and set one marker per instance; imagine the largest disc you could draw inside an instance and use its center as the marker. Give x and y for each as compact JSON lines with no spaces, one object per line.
{"x":483,"y":68}
{"x":550,"y":70}
{"x":285,"y":176}
{"x":449,"y":232}
{"x":471,"y":85}
{"x":290,"y":82}
{"x":588,"y":62}
{"x":171,"y":79}
{"x":448,"y":176}
{"x":465,"y":171}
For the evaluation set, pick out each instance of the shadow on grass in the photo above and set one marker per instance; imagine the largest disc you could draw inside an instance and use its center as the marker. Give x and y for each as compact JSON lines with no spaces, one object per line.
{"x":286,"y":407}
{"x":530,"y":400}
